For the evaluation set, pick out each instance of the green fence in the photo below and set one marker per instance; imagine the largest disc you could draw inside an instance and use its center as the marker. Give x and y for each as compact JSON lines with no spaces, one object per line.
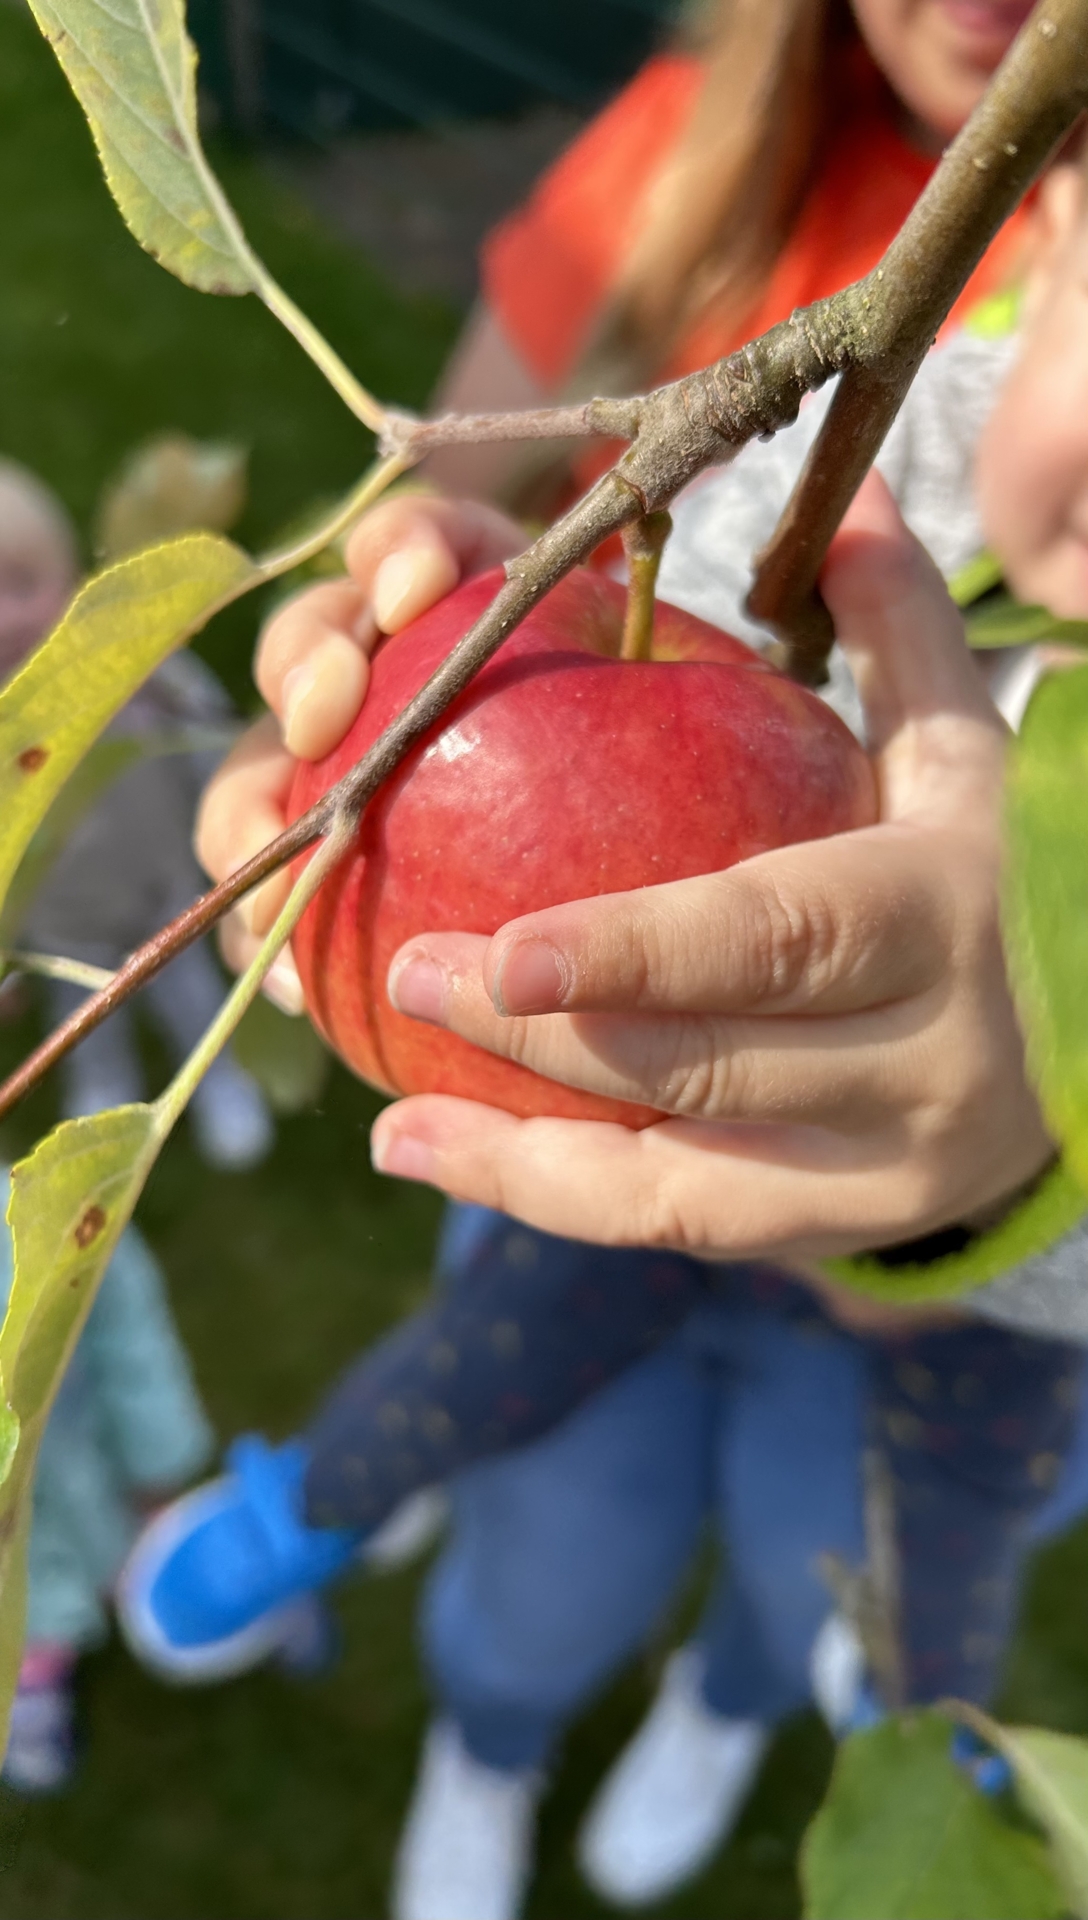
{"x":318,"y":67}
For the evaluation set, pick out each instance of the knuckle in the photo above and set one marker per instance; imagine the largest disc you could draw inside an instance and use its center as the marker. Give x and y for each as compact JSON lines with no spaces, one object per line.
{"x":791,"y":942}
{"x":655,"y":1218}
{"x":690,"y":1070}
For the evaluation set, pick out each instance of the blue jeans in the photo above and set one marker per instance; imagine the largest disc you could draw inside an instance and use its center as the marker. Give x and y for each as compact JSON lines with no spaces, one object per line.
{"x":566,"y":1553}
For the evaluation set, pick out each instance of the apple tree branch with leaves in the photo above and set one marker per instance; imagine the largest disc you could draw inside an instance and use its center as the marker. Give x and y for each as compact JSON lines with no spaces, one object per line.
{"x":132,"y":68}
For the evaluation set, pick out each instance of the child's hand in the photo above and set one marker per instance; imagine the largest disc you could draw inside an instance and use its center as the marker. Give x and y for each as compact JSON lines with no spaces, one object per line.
{"x":312,"y":667}
{"x":848,"y":996}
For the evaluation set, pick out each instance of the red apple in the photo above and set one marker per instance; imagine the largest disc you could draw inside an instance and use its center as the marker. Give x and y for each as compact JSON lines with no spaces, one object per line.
{"x":562,"y":771}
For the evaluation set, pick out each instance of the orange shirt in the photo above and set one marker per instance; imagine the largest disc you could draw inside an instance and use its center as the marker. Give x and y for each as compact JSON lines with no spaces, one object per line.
{"x":547,"y":269}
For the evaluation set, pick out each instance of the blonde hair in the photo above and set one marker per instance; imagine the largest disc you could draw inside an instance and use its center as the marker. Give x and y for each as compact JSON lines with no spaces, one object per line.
{"x":723,"y":206}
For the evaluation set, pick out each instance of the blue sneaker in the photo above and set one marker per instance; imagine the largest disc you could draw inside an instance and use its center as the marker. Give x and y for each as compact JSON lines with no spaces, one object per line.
{"x":212,"y":1586}
{"x":990,"y":1771}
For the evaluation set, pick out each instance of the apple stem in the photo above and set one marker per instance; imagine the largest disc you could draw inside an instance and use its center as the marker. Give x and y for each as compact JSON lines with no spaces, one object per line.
{"x":643,"y":543}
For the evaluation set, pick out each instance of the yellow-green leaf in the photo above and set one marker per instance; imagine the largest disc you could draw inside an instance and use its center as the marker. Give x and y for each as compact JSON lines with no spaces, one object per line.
{"x":1051,"y":1772}
{"x":132,"y":68}
{"x":70,"y":1201}
{"x":1045,"y":907}
{"x":116,"y":631}
{"x":904,"y":1834}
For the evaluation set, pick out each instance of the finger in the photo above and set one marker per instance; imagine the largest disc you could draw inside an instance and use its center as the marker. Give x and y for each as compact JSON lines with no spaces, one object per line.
{"x":242,"y":810}
{"x":312,"y":665}
{"x":791,"y":1193}
{"x":928,"y":714}
{"x":845,"y":1072}
{"x":409,"y":552}
{"x":828,"y":927}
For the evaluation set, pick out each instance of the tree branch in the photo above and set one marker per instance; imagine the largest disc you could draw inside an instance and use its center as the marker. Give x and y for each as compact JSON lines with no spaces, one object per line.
{"x":1032,"y":102}
{"x":874,"y":333}
{"x":604,"y":418}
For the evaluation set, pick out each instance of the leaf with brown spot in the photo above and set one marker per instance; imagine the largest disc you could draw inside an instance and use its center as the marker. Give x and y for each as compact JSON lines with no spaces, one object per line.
{"x":70,"y":1201}
{"x":89,"y":1227}
{"x":119,"y":627}
{"x":132,"y":68}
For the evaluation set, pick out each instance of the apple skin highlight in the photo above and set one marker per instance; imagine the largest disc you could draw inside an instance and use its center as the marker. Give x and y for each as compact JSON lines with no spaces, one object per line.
{"x":561,"y":772}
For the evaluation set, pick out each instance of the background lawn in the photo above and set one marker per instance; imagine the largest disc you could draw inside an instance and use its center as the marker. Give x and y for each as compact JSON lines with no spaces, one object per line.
{"x":265,"y":1799}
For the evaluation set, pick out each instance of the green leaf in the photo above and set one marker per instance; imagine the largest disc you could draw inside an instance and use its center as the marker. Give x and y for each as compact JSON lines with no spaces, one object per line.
{"x":102,"y":764}
{"x":1045,"y":904}
{"x":117,"y":629}
{"x":905,"y":1835}
{"x":1051,"y":1772}
{"x":1002,"y":622}
{"x":70,"y":1201}
{"x":979,"y":576}
{"x":1052,"y":1779}
{"x":132,"y":68}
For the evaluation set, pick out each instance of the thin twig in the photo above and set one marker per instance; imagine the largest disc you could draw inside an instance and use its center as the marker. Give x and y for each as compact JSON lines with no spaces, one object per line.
{"x":598,"y":418}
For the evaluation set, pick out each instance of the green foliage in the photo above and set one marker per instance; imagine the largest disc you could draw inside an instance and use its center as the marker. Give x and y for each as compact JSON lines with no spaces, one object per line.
{"x":70,"y":1201}
{"x":118,"y":628}
{"x":904,"y":1834}
{"x":1046,"y":902}
{"x":1001,"y":621}
{"x":133,"y":70}
{"x":1051,"y":1772}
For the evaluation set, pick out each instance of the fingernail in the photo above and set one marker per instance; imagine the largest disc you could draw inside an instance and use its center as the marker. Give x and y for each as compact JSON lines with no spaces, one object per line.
{"x":284,"y":988}
{"x":321,"y":697}
{"x":418,"y":987}
{"x":409,"y":581}
{"x":297,"y":686}
{"x":402,"y":1155}
{"x":532,"y":978}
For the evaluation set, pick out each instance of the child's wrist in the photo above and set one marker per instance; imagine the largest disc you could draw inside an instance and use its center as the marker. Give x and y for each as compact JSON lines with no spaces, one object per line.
{"x":963,"y":1256}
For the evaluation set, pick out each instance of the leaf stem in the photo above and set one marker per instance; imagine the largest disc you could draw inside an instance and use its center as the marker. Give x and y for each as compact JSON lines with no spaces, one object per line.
{"x":55,"y":966}
{"x":380,"y":475}
{"x":340,"y":377}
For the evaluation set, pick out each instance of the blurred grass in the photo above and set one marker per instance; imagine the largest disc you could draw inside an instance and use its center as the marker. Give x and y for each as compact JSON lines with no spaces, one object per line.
{"x":265,"y":1800}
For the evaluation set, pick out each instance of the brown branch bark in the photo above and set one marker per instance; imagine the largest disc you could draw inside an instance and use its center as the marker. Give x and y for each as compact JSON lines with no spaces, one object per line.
{"x":874,"y":333}
{"x":1034,"y":99}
